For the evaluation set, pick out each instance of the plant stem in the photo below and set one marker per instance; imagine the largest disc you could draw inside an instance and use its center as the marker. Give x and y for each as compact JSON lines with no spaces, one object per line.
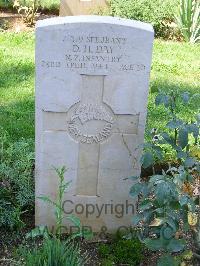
{"x":175,"y":136}
{"x":153,"y":168}
{"x":196,"y":255}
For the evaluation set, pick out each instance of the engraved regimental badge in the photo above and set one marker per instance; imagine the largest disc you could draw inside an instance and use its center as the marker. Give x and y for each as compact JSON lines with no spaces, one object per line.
{"x":90,"y":123}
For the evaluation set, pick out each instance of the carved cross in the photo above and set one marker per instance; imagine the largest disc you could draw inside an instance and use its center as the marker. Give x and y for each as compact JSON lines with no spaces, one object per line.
{"x":91,"y":122}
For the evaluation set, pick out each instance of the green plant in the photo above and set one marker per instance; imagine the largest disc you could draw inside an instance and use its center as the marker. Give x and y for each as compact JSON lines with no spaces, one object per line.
{"x":104,"y":250}
{"x":169,"y":202}
{"x":60,"y":213}
{"x":121,"y":251}
{"x":53,"y":252}
{"x":16,"y":180}
{"x":107,"y":262}
{"x":5,"y":3}
{"x":28,"y":13}
{"x":47,"y":5}
{"x":159,"y":13}
{"x":58,"y":205}
{"x":188,"y":20}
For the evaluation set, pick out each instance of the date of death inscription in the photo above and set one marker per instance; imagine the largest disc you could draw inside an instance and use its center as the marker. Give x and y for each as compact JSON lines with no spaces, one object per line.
{"x":92,"y":53}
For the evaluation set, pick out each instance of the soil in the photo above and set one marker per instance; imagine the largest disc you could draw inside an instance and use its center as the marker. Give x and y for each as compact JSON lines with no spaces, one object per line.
{"x":11,"y":240}
{"x":13,"y":22}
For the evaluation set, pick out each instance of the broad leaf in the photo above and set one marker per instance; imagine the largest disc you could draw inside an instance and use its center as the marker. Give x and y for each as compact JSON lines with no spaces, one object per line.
{"x":183,"y":200}
{"x":168,"y":139}
{"x":174,"y":124}
{"x":191,"y":205}
{"x":162,"y":99}
{"x":165,"y":192}
{"x":145,"y":190}
{"x":147,"y":159}
{"x":153,"y":244}
{"x":173,"y":224}
{"x":176,"y":245}
{"x":145,"y":205}
{"x":156,"y":178}
{"x":168,"y":233}
{"x":136,"y":189}
{"x":136,"y":219}
{"x":148,"y":215}
{"x":181,"y":155}
{"x":159,"y":210}
{"x":183,"y":137}
{"x":166,"y":261}
{"x":186,"y":97}
{"x":194,"y":129}
{"x":190,"y":162}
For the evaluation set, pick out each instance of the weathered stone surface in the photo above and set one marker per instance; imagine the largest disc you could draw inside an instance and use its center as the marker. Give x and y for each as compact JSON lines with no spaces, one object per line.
{"x":92,"y":77}
{"x":80,"y":7}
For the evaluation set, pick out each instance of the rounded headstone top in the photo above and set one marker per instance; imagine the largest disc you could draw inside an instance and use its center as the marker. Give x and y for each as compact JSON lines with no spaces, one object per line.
{"x":56,"y":21}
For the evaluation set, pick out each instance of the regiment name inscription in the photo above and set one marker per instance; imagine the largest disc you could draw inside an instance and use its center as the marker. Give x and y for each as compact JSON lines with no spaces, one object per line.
{"x":92,"y":53}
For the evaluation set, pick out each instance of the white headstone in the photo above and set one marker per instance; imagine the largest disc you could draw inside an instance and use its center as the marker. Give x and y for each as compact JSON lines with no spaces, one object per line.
{"x":92,"y":76}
